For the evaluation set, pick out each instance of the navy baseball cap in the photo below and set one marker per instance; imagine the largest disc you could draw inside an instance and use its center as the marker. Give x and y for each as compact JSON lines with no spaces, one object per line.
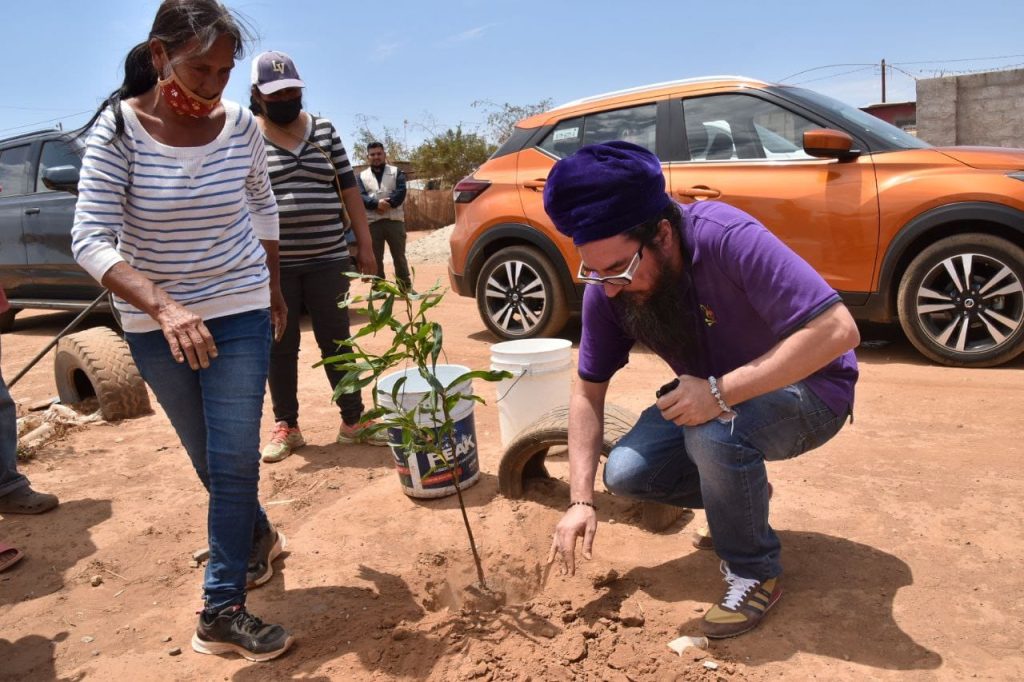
{"x":273,"y":71}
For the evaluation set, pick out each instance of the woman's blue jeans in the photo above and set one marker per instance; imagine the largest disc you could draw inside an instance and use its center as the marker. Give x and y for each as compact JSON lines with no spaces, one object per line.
{"x":216,"y":413}
{"x":720,"y":467}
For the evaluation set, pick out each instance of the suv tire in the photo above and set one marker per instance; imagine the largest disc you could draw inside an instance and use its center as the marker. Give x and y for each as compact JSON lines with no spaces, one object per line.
{"x":519,"y":294}
{"x":97,"y":362}
{"x":958,"y":325}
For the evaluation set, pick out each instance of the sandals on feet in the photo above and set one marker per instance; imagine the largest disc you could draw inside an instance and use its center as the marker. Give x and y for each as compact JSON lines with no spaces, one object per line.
{"x":9,"y":555}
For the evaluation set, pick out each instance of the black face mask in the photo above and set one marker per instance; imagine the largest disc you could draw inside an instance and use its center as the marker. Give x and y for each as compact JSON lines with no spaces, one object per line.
{"x":283,"y":112}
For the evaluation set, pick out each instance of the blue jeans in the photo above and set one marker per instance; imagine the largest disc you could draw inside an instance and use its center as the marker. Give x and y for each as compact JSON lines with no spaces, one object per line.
{"x":10,"y":479}
{"x":720,"y":467}
{"x":216,"y":413}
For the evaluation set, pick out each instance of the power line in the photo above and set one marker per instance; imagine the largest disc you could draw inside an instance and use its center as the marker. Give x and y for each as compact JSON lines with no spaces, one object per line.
{"x":818,"y":68}
{"x":7,"y":106}
{"x":934,"y":61}
{"x":966,"y":59}
{"x":49,"y":120}
{"x":837,"y":75}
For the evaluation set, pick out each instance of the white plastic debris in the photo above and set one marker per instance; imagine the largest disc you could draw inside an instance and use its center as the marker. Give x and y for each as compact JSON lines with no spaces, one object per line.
{"x":681,"y":644}
{"x":38,"y":427}
{"x":710,"y":665}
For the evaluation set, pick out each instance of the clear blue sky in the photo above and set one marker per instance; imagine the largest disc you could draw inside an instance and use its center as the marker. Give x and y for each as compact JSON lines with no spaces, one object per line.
{"x":416,"y":66}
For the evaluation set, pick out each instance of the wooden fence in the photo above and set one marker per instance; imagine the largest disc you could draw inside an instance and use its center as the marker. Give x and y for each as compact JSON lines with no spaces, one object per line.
{"x":428,"y":209}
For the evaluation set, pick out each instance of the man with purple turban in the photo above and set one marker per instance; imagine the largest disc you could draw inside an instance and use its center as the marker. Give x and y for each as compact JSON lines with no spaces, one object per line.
{"x":760,"y":344}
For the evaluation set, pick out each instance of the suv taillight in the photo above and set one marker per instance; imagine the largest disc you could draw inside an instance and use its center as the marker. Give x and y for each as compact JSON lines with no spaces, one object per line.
{"x":469,"y":188}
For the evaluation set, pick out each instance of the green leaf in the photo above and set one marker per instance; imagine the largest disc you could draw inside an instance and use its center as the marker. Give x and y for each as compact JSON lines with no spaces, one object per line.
{"x":438,"y":336}
{"x":485,"y":374}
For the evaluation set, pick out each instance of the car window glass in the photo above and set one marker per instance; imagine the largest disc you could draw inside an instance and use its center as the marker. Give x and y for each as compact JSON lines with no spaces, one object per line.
{"x":55,"y":153}
{"x":565,"y":138}
{"x":636,"y":125}
{"x":14,"y":171}
{"x":741,"y":127}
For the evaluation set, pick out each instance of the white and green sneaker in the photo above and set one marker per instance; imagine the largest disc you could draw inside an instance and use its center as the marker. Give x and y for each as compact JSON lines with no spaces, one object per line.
{"x":282,"y":442}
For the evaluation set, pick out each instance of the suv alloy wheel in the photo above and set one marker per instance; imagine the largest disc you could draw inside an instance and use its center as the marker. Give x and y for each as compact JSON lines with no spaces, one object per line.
{"x":519,"y":295}
{"x":961,"y":301}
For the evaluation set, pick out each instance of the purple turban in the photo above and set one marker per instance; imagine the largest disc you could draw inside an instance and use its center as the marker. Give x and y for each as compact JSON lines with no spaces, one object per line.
{"x":603,"y":190}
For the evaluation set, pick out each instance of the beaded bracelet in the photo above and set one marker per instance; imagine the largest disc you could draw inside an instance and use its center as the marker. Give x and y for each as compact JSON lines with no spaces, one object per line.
{"x":718,"y":394}
{"x":588,"y":504}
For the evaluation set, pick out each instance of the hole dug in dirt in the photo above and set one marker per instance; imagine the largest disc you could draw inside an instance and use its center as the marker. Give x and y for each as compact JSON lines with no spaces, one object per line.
{"x":450,"y":582}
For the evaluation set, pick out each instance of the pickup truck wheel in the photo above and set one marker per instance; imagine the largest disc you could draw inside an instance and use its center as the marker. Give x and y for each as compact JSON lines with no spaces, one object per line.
{"x":961,"y":301}
{"x":7,"y":319}
{"x":524,"y":457}
{"x":519,"y":294}
{"x":97,"y":362}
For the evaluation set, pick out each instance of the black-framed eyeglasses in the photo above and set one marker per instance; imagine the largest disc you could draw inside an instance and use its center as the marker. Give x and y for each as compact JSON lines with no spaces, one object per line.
{"x":619,"y":280}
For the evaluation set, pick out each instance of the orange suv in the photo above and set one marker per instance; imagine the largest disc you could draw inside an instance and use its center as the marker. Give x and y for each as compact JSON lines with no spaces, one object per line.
{"x":931,"y":236}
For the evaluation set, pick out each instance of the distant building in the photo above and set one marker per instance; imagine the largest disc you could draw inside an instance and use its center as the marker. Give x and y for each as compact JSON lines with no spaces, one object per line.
{"x":900,"y":114}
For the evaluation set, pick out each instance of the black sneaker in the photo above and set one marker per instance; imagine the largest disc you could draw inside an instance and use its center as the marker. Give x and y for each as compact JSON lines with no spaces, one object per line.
{"x":235,"y":630}
{"x":261,"y":558}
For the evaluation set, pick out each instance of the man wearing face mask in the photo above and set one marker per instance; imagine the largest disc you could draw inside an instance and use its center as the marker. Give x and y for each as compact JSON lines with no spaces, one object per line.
{"x":312,"y":182}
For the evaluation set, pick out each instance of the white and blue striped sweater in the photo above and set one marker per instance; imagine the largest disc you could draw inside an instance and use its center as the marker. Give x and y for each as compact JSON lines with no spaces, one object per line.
{"x":188,"y":218}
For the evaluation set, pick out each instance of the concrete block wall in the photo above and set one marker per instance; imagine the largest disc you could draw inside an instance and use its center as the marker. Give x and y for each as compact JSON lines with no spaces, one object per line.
{"x":978,"y":109}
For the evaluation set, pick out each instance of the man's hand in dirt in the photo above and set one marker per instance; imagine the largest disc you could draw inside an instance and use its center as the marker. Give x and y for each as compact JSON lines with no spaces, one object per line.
{"x":690,"y":403}
{"x":580,"y":520}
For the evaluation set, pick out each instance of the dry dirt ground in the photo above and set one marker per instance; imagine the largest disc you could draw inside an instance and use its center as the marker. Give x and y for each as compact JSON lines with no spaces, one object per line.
{"x":902,"y":545}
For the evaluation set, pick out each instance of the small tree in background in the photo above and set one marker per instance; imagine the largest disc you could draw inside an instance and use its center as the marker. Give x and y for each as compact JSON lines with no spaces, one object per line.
{"x":392,"y":139}
{"x":451,"y":156}
{"x":502,"y":118}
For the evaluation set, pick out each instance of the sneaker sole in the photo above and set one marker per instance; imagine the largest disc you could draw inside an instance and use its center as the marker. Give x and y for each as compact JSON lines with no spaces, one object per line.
{"x":275,"y":552}
{"x":217,"y":648}
{"x":778,"y":596}
{"x":273,"y":459}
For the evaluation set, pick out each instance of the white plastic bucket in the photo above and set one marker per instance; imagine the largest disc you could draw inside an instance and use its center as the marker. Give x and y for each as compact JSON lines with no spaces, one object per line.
{"x":541,"y":378}
{"x":422,"y":473}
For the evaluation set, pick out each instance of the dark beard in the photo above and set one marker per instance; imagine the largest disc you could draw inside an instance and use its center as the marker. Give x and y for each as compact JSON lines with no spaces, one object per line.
{"x":666,"y":319}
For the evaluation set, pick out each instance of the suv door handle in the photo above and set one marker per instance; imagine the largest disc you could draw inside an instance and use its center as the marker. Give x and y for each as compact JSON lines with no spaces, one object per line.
{"x":699,"y":192}
{"x":535,"y":185}
{"x":31,"y":211}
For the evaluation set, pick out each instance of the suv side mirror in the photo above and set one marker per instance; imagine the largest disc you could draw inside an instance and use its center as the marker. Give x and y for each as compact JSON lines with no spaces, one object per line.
{"x":826,"y":143}
{"x":61,"y":179}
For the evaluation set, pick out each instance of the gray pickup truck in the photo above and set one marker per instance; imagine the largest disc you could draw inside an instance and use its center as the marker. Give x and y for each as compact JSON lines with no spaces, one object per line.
{"x":38,"y":175}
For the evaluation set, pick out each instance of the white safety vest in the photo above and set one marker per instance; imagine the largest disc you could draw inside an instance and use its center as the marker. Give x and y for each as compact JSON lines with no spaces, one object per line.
{"x":386,"y":187}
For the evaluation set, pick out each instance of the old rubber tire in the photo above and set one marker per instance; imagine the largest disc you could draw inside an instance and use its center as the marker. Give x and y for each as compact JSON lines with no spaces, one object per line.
{"x":97,"y":362}
{"x":961,"y":323}
{"x":7,"y":319}
{"x":519,"y":294}
{"x":524,"y":457}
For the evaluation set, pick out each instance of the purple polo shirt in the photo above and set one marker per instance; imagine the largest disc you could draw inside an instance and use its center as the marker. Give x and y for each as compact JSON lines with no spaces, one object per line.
{"x":753,"y":290}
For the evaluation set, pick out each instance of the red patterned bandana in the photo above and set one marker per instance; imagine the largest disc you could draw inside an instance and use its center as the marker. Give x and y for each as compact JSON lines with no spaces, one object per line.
{"x":183,"y":101}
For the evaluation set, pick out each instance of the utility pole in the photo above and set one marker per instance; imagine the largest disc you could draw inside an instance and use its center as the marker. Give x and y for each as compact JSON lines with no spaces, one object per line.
{"x":883,"y":81}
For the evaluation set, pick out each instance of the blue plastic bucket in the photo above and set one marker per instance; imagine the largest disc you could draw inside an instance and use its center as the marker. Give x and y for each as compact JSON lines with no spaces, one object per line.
{"x":423,"y":473}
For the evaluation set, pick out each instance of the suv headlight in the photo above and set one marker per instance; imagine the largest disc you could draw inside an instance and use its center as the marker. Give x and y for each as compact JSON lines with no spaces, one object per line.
{"x":1017,"y":175}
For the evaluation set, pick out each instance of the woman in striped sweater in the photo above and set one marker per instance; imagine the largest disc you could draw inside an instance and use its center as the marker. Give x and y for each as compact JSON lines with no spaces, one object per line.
{"x":176,"y":217}
{"x":312,"y":180}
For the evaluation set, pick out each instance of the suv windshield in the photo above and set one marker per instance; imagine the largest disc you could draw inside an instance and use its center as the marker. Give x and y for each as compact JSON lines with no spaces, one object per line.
{"x":857,"y":121}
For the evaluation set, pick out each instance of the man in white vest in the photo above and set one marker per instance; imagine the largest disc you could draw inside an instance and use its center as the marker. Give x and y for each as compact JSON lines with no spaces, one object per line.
{"x":383,"y":189}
